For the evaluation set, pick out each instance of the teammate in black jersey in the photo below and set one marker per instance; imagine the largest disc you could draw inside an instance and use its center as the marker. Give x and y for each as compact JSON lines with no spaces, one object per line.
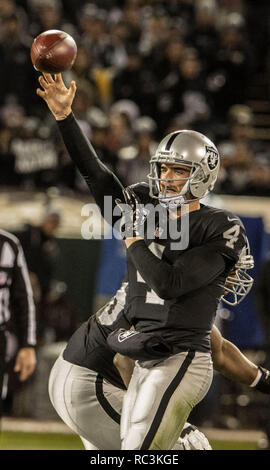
{"x":173,"y":292}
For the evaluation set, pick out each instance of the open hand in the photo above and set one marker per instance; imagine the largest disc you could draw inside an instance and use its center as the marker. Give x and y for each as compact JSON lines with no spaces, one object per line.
{"x":58,"y":97}
{"x":25,"y":363}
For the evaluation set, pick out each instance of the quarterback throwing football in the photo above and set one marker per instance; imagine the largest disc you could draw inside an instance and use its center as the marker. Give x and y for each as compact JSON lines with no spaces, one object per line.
{"x":174,"y":287}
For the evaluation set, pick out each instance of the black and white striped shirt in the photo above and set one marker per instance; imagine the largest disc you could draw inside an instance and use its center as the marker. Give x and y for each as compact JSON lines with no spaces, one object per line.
{"x":16,"y":296}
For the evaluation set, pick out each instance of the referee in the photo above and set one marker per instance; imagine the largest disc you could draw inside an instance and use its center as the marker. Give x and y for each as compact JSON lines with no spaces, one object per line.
{"x":16,"y":303}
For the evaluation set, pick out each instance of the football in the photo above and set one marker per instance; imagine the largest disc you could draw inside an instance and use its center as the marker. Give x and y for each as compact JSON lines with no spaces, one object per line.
{"x":53,"y":51}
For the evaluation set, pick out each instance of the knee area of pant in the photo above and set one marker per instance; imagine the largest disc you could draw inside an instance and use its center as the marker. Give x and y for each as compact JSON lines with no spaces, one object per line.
{"x":134,"y":438}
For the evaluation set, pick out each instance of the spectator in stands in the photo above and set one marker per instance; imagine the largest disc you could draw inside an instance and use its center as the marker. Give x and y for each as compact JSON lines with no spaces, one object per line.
{"x":231,"y":7}
{"x":131,"y":13}
{"x":49,"y":14}
{"x":135,"y":83}
{"x":8,"y":176}
{"x":168,"y":94}
{"x":177,"y":124}
{"x":155,"y":35}
{"x":117,"y":54}
{"x":204,"y":35}
{"x":234,"y":63}
{"x":100,"y":128}
{"x":36,"y":158}
{"x":236,"y":154}
{"x":259,"y":183}
{"x":194,"y":95}
{"x":241,"y":154}
{"x":7,"y":7}
{"x":134,"y":159}
{"x":92,"y":29}
{"x":122,"y":114}
{"x":15,"y":60}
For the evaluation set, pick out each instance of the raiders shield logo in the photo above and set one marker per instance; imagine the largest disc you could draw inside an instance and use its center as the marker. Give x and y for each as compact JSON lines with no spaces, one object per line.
{"x":212,"y":159}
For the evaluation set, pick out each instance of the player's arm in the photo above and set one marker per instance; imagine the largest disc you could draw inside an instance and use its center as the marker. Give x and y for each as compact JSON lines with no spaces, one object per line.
{"x":100,"y":180}
{"x":230,"y":362}
{"x":194,"y":269}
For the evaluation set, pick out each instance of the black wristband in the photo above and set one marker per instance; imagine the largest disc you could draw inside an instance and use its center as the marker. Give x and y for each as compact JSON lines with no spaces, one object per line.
{"x":188,"y":430}
{"x":264,"y":383}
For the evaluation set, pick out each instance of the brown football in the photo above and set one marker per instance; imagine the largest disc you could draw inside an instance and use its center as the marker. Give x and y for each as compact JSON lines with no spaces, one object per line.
{"x":53,"y":51}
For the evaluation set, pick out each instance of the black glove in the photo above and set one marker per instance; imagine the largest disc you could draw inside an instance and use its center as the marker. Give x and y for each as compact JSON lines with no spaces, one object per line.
{"x":264,"y":383}
{"x":134,"y":214}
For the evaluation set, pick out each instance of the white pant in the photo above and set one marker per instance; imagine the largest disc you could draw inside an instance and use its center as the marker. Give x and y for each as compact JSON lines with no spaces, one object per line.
{"x":160,"y":397}
{"x":89,"y":405}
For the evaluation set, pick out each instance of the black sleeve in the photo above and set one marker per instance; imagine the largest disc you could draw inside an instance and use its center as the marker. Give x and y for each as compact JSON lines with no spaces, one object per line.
{"x":100,"y":180}
{"x":195,"y":268}
{"x":22,"y":303}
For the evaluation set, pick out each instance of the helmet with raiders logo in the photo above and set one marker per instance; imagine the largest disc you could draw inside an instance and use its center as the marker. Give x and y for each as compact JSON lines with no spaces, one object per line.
{"x":191,"y":149}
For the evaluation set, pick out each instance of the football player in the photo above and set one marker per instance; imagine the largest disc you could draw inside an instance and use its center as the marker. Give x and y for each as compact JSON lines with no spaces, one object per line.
{"x":173,"y":289}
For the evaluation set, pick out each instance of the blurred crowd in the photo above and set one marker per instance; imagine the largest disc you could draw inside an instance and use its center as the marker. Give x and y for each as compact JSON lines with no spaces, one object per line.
{"x":143,"y":68}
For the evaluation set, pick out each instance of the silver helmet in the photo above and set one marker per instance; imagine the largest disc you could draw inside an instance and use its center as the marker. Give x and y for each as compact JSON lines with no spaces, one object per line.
{"x":239,"y":282}
{"x":191,"y":149}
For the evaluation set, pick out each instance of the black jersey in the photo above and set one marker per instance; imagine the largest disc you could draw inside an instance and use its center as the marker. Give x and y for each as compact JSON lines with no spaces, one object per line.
{"x":176,"y":292}
{"x":88,"y":347}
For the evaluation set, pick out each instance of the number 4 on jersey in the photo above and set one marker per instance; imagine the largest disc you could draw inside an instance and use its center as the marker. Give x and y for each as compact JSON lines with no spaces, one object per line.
{"x":232,"y":235}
